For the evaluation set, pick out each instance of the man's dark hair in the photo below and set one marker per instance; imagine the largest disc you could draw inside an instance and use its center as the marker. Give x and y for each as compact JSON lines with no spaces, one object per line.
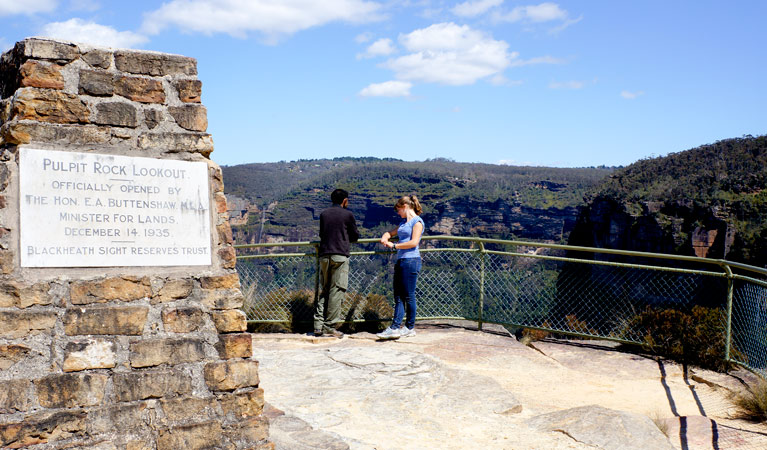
{"x":338,"y":196}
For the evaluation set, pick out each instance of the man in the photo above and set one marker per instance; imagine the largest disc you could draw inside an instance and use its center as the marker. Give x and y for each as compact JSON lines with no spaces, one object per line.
{"x":337,"y":230}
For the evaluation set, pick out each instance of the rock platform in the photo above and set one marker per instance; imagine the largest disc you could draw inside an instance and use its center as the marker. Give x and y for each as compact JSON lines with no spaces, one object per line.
{"x":453,"y":387}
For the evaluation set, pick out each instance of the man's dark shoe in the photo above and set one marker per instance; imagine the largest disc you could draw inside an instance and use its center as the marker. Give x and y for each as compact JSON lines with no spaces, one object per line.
{"x":333,"y":332}
{"x":315,"y":333}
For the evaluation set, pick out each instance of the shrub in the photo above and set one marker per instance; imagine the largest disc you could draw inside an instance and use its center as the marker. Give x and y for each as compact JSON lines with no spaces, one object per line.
{"x":696,"y":337}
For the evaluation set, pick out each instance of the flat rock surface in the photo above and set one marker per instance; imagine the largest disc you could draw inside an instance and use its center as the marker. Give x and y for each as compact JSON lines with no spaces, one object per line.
{"x":451,"y":387}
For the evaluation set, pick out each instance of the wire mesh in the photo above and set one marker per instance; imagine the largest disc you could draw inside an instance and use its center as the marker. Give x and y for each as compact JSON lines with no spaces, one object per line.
{"x":621,"y":301}
{"x":749,"y":326}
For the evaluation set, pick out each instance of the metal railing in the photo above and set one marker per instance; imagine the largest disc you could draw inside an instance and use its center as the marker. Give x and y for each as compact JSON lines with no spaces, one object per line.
{"x":586,"y":292}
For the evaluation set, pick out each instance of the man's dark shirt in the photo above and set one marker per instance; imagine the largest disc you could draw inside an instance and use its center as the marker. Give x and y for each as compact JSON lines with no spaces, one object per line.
{"x":337,"y":229}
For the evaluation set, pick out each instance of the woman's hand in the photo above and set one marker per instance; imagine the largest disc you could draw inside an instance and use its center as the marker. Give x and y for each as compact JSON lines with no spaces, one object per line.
{"x":385,"y":239}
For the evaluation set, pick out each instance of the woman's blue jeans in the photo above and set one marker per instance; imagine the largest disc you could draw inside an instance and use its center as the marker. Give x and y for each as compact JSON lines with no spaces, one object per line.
{"x":405,"y":276}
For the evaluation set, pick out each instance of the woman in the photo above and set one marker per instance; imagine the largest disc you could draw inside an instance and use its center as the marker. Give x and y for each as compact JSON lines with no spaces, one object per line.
{"x":407,"y":267}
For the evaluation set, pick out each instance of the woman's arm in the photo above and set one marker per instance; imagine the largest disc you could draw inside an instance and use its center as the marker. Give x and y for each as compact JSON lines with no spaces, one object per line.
{"x":388,"y":235}
{"x":415,"y":239}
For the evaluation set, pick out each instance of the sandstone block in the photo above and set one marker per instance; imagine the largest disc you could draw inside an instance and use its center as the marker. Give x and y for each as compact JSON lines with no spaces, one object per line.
{"x":42,"y":428}
{"x":70,"y":390}
{"x":48,"y":49}
{"x":228,"y":257}
{"x":177,"y":142}
{"x":126,"y":320}
{"x":5,"y":110}
{"x":153,"y":352}
{"x":231,"y":375}
{"x":14,"y":294}
{"x":235,"y":346}
{"x":191,"y":437}
{"x":15,"y":324}
{"x":49,"y":106}
{"x":217,"y":176}
{"x":225,"y":233}
{"x":40,"y":74}
{"x":189,"y":91}
{"x":185,"y":408}
{"x":152,"y":117}
{"x":228,"y":281}
{"x":98,"y":58}
{"x":154,"y":64}
{"x":15,"y":396}
{"x":26,"y":132}
{"x":6,"y":262}
{"x":140,"y":445}
{"x":90,"y":354}
{"x":190,"y":117}
{"x":96,"y":83}
{"x":89,"y":445}
{"x":132,"y":386}
{"x":223,"y":299}
{"x":220,"y":200}
{"x":182,"y":320}
{"x":108,"y":289}
{"x":116,"y":114}
{"x":243,"y":404}
{"x":144,"y":90}
{"x":123,"y":417}
{"x":11,"y":354}
{"x":230,"y":321}
{"x":248,"y":432}
{"x":173,"y":290}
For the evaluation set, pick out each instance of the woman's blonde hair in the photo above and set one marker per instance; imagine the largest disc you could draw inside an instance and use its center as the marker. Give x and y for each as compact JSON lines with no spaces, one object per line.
{"x":411,"y":201}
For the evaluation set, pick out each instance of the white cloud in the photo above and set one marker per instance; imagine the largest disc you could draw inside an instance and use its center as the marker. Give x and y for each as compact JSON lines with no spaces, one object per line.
{"x":28,"y":7}
{"x":537,"y":60}
{"x":545,"y":12}
{"x":387,"y":89}
{"x":500,"y":80}
{"x":363,"y":37}
{"x":79,"y":30}
{"x":567,"y":85}
{"x":538,"y":14}
{"x":631,"y":95}
{"x":475,"y":8}
{"x":381,"y":47}
{"x":273,"y":18}
{"x":450,"y":54}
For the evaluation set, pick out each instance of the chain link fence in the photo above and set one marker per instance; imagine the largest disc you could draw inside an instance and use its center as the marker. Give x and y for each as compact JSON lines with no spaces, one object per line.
{"x":623,"y":296}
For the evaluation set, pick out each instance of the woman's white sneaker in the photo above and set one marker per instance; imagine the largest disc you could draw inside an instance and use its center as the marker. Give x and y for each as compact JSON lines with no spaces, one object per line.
{"x":389,"y":333}
{"x":407,"y":332}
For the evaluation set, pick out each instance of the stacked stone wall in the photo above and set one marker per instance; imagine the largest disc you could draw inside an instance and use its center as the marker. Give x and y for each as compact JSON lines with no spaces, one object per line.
{"x":124,"y":358}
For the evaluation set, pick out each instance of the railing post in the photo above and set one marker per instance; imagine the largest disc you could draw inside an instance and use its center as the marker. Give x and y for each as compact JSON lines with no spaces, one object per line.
{"x":317,"y":274}
{"x":728,"y":330}
{"x":481,"y":284}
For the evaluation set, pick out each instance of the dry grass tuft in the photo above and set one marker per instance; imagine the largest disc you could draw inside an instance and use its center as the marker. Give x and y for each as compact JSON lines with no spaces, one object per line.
{"x":660,"y":422}
{"x":752,"y":405}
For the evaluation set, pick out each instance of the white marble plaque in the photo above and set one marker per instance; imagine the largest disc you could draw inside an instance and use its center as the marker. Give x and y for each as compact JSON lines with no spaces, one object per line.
{"x":95,"y":210}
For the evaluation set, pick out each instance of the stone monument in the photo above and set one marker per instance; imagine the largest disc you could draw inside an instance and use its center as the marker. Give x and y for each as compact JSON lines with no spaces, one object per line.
{"x":119,"y":319}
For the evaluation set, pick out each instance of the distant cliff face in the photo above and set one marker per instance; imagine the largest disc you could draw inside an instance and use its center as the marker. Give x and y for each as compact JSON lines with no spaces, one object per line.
{"x":279,"y":202}
{"x":658,"y":227}
{"x":458,"y":217}
{"x":709,"y":201}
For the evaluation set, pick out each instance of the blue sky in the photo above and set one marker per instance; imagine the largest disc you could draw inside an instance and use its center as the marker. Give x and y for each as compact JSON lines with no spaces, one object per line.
{"x":561,"y":83}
